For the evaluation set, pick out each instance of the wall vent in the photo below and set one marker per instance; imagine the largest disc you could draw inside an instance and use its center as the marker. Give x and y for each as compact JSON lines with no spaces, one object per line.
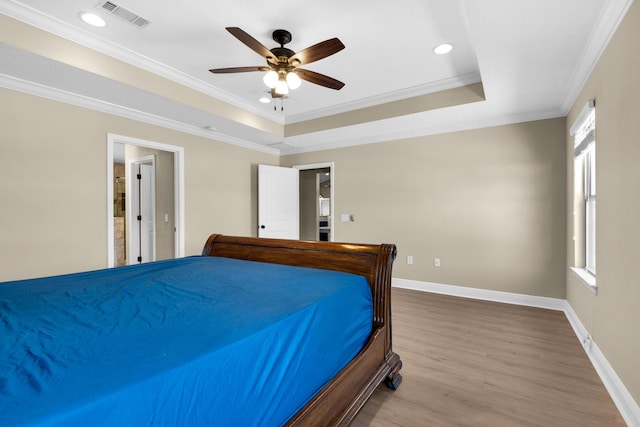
{"x":125,"y":14}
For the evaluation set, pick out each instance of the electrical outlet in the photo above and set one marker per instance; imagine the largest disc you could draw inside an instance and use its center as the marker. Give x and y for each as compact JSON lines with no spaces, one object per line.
{"x":586,"y":342}
{"x":347,"y":218}
{"x":436,"y":262}
{"x":409,"y":259}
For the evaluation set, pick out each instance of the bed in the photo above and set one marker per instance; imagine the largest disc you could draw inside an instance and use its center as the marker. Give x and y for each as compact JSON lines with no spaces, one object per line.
{"x":252,"y":332}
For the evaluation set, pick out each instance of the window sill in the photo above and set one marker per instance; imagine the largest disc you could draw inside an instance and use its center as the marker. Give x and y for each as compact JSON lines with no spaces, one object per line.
{"x":586,"y":278}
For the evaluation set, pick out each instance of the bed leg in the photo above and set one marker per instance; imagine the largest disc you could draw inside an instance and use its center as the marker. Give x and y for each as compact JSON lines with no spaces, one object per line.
{"x":393,"y":382}
{"x":394,"y":378}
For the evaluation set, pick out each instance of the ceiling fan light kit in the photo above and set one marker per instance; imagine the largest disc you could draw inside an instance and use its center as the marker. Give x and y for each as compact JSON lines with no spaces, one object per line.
{"x":293,"y":80}
{"x":271,"y":79}
{"x":281,"y":87}
{"x":282,"y":69}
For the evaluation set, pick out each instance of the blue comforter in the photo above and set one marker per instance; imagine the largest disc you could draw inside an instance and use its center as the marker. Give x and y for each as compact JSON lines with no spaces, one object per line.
{"x":198,"y":341}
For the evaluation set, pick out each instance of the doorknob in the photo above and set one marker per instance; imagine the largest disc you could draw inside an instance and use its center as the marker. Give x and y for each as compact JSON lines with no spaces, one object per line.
{"x":263,"y":227}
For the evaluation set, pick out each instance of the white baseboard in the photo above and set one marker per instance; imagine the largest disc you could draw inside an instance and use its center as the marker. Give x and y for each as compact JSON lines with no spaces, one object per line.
{"x":627,"y":406}
{"x":483,"y":294}
{"x":623,"y":400}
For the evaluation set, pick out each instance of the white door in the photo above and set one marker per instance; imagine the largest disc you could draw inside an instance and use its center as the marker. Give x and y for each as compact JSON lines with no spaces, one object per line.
{"x":278,"y":202}
{"x":142,"y":237}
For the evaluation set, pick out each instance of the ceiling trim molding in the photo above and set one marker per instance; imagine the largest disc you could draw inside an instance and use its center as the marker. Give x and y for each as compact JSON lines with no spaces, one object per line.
{"x":613,"y":12}
{"x":436,"y":129}
{"x":42,"y":91}
{"x":59,"y":28}
{"x":284,"y":148}
{"x":385,"y":98}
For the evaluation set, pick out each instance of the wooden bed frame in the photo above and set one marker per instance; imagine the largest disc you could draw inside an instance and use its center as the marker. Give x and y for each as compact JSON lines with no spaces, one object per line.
{"x":342,"y":398}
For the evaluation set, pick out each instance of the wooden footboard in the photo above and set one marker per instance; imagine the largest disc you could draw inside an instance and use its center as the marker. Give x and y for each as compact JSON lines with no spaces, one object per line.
{"x":341,"y":399}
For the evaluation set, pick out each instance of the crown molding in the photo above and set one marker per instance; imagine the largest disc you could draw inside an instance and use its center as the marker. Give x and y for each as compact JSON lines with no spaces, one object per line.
{"x":385,"y":98}
{"x":59,"y":28}
{"x":434,"y":129}
{"x":610,"y":18}
{"x":42,"y":91}
{"x":282,"y":148}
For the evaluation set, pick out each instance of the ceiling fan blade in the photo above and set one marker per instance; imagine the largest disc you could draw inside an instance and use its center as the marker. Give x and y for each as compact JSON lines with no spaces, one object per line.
{"x":238,"y":70}
{"x":316,"y":52}
{"x":319,"y":79}
{"x":252,"y":43}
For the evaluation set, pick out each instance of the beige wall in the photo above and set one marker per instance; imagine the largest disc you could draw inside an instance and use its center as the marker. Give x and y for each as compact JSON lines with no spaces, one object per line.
{"x":490,"y":203}
{"x":53,"y":173}
{"x":612,"y":316}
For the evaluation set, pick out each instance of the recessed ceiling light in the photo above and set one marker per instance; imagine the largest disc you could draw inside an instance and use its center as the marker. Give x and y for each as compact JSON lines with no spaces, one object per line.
{"x":265,"y":100}
{"x":443,"y":48}
{"x":92,"y":19}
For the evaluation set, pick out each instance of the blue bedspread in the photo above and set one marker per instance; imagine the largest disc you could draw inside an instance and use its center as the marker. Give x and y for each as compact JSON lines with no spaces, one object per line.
{"x":199,"y":341}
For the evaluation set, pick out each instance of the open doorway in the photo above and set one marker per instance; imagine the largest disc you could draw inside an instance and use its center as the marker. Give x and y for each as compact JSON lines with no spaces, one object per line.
{"x":316,"y":201}
{"x":292,"y":209}
{"x":166,"y":194}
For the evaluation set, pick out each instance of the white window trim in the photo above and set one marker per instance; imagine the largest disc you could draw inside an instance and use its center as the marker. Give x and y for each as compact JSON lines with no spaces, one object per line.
{"x":586,"y":278}
{"x":583,"y":275}
{"x":586,"y":110}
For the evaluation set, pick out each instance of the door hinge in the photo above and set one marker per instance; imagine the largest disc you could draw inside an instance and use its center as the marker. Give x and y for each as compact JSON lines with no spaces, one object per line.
{"x":139,"y":217}
{"x":139,"y":259}
{"x":139,"y":176}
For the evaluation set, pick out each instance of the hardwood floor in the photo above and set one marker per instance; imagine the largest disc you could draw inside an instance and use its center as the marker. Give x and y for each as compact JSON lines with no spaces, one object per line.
{"x":477,"y":363}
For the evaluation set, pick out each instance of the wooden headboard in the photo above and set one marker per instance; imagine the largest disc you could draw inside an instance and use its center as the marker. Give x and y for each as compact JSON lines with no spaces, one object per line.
{"x":371,"y":261}
{"x":339,"y":401}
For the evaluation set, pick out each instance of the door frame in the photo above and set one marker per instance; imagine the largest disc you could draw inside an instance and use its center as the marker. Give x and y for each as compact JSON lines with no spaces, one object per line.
{"x":178,"y":178}
{"x":331,"y":167}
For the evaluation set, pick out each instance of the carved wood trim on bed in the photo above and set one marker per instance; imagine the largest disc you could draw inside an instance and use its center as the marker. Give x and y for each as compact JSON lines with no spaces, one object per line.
{"x":341,"y":399}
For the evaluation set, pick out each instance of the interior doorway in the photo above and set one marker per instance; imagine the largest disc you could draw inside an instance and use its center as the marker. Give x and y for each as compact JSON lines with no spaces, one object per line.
{"x":317,"y":201}
{"x":167,"y":226}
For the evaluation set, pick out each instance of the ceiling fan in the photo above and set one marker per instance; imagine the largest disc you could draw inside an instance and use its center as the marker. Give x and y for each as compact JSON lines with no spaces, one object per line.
{"x":282,"y":63}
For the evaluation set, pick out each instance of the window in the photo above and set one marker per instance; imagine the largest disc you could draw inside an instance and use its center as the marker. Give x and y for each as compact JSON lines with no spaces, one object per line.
{"x":590,"y":209}
{"x":584,"y":190}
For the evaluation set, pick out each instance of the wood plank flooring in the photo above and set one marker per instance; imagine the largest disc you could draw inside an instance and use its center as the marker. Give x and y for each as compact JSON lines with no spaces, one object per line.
{"x":477,"y":363}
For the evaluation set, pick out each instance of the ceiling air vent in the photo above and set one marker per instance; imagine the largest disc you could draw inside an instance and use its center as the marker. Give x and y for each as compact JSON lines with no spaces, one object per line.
{"x":122,"y":13}
{"x":280,"y":145}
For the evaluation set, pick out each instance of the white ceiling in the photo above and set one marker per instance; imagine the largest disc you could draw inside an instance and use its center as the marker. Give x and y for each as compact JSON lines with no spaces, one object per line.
{"x":532,"y":57}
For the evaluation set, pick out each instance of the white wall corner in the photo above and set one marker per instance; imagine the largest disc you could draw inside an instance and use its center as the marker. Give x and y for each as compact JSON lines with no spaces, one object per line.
{"x":621,"y":397}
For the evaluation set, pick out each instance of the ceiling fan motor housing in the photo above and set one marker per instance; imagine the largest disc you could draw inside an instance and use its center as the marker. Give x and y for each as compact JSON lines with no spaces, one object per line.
{"x":281,"y":37}
{"x":282,"y":54}
{"x":282,"y":51}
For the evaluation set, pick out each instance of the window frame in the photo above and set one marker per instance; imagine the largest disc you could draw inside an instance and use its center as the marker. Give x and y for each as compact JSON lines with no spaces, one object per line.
{"x":584,"y":192}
